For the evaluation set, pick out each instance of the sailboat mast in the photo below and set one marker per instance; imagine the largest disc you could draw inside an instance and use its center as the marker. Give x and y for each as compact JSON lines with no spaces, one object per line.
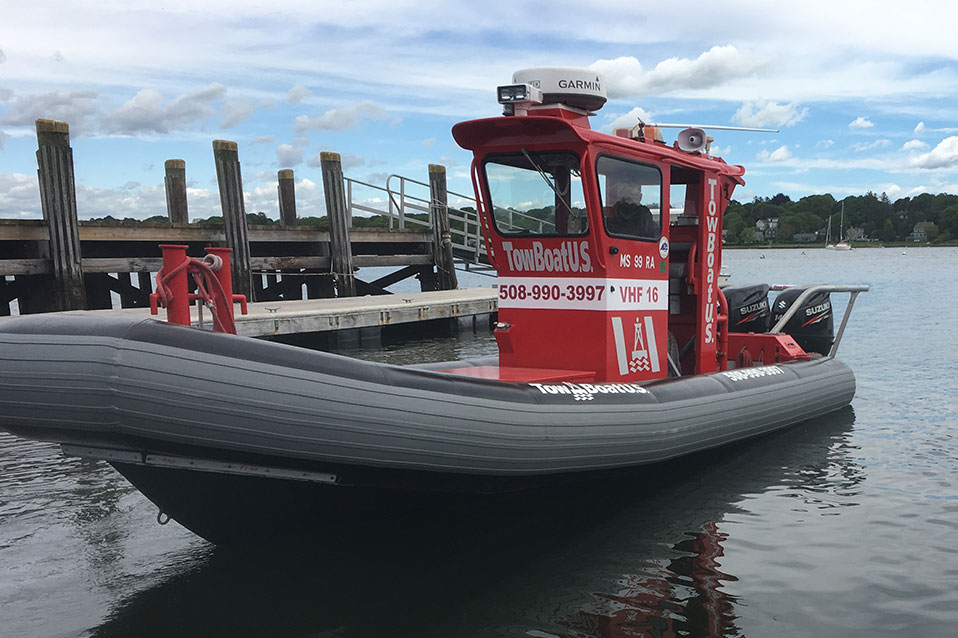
{"x":841,"y":223}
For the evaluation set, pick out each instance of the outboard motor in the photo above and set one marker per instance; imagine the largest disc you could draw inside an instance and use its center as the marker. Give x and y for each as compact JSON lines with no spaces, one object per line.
{"x":812,"y":325}
{"x":748,"y":309}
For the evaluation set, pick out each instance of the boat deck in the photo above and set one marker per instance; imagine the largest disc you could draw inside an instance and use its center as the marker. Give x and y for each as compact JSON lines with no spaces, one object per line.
{"x":325,"y":315}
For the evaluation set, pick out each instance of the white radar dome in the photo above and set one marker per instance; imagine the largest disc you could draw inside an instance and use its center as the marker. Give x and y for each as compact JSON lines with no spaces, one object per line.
{"x":580,"y":88}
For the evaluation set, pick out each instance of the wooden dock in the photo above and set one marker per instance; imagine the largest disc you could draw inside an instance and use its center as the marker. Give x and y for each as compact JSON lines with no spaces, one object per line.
{"x":474,"y":306}
{"x":60,"y":263}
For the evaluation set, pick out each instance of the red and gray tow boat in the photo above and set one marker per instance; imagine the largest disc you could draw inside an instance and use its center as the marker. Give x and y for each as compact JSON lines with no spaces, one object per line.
{"x":617,"y":348}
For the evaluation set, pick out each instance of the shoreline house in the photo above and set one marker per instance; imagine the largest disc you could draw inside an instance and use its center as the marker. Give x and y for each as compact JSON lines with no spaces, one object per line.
{"x":856,"y":234}
{"x":768,"y":227}
{"x":923,"y":231}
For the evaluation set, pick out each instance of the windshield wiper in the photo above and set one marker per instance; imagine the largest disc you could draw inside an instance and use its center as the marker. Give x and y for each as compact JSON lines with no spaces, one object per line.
{"x":548,"y":181}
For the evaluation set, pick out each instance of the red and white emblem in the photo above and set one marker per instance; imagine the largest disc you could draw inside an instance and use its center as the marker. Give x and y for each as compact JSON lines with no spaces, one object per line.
{"x":644,"y":355}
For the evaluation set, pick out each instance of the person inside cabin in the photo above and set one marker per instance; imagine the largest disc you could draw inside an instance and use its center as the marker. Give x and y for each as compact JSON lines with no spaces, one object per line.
{"x":626,"y":215}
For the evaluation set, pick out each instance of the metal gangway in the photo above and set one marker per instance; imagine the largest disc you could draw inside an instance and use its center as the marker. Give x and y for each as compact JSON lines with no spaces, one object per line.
{"x":407,"y":203}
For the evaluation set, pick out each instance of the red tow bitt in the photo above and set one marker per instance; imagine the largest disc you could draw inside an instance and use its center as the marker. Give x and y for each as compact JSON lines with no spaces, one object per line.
{"x":214,"y":287}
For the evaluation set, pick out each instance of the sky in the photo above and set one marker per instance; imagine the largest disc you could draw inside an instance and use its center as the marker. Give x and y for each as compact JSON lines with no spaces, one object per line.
{"x":864,"y":94}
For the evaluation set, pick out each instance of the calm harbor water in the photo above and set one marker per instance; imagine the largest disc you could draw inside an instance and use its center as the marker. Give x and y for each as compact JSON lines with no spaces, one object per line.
{"x":845,"y":525}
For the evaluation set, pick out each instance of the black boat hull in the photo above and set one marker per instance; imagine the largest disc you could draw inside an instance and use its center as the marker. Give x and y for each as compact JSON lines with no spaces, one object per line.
{"x":212,"y":427}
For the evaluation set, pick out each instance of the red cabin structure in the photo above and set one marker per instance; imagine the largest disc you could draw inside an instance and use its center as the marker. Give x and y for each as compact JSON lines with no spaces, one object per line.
{"x":607,"y":246}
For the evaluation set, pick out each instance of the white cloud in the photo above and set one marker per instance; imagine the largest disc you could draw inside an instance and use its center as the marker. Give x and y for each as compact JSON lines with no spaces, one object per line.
{"x":3,"y":57}
{"x":781,"y":154}
{"x":288,"y":155}
{"x":3,"y":138}
{"x":339,"y":119}
{"x":630,"y":119}
{"x":861,"y":122}
{"x":20,"y":199}
{"x":825,"y":143}
{"x":147,"y":112}
{"x":625,"y":76}
{"x":351,"y":160}
{"x":263,"y":139}
{"x":429,"y":141}
{"x":945,"y":155}
{"x":919,"y":128}
{"x":138,"y":202}
{"x":297,"y":94}
{"x":19,"y":196}
{"x":914,"y":145}
{"x":894,"y":191}
{"x":237,"y":111}
{"x":75,"y":107}
{"x":870,"y":146}
{"x":720,"y":151}
{"x":761,"y":113}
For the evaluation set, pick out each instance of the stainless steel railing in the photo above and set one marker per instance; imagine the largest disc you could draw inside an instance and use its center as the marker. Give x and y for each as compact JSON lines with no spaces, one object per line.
{"x":855,"y":290}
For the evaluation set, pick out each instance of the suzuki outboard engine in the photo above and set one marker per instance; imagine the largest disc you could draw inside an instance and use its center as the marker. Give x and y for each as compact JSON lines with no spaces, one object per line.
{"x":811,"y":326}
{"x":748,"y":308}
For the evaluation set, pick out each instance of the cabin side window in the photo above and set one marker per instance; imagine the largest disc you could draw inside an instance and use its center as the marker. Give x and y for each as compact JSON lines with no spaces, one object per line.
{"x":683,"y":195}
{"x":631,"y":196}
{"x":537,"y":193}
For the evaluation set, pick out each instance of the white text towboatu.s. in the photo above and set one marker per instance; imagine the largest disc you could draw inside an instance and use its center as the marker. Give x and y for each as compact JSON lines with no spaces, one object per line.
{"x":617,"y":348}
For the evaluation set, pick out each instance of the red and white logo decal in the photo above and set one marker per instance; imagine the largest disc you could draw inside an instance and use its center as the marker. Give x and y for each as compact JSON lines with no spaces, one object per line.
{"x":644,"y":355}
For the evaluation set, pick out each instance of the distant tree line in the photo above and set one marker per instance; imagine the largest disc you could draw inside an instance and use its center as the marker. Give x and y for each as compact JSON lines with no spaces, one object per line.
{"x":259,"y":219}
{"x":876,"y":215}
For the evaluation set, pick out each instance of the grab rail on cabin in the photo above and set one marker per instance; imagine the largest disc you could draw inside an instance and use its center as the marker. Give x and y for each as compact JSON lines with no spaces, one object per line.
{"x":855,"y":290}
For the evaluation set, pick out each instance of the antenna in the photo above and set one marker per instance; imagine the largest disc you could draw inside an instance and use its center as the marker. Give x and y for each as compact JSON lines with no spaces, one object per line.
{"x":693,"y":138}
{"x":715,"y":127}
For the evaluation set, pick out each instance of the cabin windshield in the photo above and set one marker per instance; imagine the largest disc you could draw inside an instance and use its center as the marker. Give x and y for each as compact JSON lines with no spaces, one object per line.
{"x":537,"y":193}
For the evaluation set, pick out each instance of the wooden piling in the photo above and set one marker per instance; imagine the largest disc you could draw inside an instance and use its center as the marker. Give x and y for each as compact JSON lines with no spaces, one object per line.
{"x":442,"y":243}
{"x":176,"y":207}
{"x":230,"y":181}
{"x":65,"y":291}
{"x":287,"y":198}
{"x":337,"y":211}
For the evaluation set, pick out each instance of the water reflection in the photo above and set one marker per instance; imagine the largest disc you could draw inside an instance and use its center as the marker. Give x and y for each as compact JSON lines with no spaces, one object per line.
{"x":686,"y":594}
{"x":685,"y":597}
{"x":640,"y":556}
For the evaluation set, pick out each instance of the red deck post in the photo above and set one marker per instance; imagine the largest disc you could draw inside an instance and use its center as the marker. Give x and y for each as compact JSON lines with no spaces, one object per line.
{"x":178,"y":310}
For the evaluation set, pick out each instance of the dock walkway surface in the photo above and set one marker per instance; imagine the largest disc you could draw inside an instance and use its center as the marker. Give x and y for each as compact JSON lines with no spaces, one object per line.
{"x":342,"y":313}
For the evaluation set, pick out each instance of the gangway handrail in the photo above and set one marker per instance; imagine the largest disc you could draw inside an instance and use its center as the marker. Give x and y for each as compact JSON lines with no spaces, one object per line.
{"x":854,"y":289}
{"x":468,"y":238}
{"x":465,"y":225}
